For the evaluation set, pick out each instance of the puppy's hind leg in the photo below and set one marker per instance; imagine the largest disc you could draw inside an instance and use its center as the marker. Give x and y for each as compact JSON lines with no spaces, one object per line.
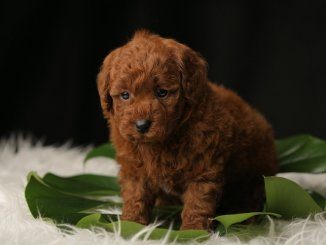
{"x":167,"y":200}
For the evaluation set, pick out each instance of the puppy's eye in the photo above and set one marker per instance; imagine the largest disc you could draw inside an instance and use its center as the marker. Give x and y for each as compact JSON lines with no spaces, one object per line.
{"x":161,"y":93}
{"x":124,"y":95}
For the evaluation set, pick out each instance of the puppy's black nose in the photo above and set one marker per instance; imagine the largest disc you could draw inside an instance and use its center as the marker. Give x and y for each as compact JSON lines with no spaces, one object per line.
{"x":143,"y":125}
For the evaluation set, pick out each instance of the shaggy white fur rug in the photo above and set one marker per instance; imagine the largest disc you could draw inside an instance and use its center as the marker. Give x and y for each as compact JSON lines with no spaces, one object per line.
{"x":17,"y":226}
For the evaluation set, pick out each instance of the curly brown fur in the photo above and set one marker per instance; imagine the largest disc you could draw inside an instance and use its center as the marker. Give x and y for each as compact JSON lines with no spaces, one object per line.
{"x":206,"y":148}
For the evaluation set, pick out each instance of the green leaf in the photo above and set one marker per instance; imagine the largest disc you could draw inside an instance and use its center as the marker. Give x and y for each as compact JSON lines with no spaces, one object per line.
{"x":288,"y":199}
{"x":230,"y":219}
{"x":90,"y":220}
{"x":106,"y":150}
{"x":67,"y":199}
{"x":128,"y":229}
{"x":46,"y":201}
{"x":245,"y":232}
{"x":86,"y":184}
{"x":302,"y":153}
{"x":78,"y":198}
{"x":319,"y":199}
{"x":168,"y":214}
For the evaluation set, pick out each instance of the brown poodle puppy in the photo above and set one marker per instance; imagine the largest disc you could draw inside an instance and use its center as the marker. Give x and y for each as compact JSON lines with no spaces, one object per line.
{"x":179,"y":137}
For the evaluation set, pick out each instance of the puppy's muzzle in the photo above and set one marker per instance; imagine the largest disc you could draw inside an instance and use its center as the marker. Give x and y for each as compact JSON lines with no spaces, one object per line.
{"x":143,"y":125}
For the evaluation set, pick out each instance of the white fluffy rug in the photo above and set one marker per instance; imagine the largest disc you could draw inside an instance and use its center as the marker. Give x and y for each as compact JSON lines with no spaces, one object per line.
{"x":17,"y":226}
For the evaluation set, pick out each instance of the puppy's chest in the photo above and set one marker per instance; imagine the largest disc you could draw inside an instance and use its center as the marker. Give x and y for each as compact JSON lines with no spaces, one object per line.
{"x":172,"y":183}
{"x":167,"y":174}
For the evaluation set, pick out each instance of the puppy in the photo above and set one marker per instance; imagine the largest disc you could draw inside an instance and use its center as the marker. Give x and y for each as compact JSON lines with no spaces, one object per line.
{"x":180,"y":138}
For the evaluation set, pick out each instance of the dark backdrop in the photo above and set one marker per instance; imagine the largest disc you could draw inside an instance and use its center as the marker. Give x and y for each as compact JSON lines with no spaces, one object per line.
{"x":272,"y":53}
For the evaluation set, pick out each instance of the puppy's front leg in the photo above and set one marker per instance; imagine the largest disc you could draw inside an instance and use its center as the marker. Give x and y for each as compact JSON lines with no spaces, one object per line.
{"x":138,"y":201}
{"x":200,"y":202}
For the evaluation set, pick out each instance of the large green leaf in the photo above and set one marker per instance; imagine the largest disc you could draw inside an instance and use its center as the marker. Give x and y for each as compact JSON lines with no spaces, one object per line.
{"x":302,"y":153}
{"x":168,"y":214}
{"x":231,"y":219}
{"x":86,"y":184}
{"x":106,"y":150}
{"x":288,"y":199}
{"x":50,"y":200}
{"x":128,"y":229}
{"x":80,"y":198}
{"x":44,"y":200}
{"x":63,"y":198}
{"x":319,"y":199}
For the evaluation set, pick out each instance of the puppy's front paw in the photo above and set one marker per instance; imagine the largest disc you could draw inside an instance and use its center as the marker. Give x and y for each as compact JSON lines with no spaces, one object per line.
{"x":197,"y":223}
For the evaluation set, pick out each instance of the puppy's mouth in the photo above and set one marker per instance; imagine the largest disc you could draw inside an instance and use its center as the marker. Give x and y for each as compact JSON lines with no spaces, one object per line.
{"x":143,"y":138}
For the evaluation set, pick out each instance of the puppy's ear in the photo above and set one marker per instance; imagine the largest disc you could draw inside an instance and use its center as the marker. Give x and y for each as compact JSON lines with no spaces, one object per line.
{"x":194,"y":75}
{"x":103,"y":85}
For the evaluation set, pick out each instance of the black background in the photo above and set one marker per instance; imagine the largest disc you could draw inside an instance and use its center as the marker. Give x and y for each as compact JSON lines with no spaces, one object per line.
{"x":272,"y":53}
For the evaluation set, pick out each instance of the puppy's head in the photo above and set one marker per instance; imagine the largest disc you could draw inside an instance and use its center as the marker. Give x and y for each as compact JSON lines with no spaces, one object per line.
{"x":149,"y":86}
